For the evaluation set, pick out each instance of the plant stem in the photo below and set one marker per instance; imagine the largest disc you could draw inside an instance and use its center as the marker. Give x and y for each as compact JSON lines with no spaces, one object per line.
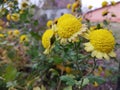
{"x":94,"y":66}
{"x":82,"y":80}
{"x":59,"y":83}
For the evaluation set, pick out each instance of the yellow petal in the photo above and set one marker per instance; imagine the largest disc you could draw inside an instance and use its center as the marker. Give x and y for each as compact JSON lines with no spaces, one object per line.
{"x":87,"y":44}
{"x":106,"y":56}
{"x":89,"y":48}
{"x":99,"y":55}
{"x":94,"y":53}
{"x":112,"y":54}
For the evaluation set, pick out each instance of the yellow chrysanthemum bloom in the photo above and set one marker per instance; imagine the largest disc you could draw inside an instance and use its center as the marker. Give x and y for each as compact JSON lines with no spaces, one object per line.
{"x":1,"y":28}
{"x":21,"y":11}
{"x":23,"y":38}
{"x":10,"y":32}
{"x":49,"y":23}
{"x":101,"y":44}
{"x":16,"y":32}
{"x":8,"y":17}
{"x":1,"y":35}
{"x":24,"y":5}
{"x":46,"y":40}
{"x":5,"y":0}
{"x":15,"y":17}
{"x":68,"y":6}
{"x":104,"y":13}
{"x":10,"y":4}
{"x":74,"y":6}
{"x":90,"y":7}
{"x":69,"y":27}
{"x":92,"y":28}
{"x":113,"y":2}
{"x":104,"y":3}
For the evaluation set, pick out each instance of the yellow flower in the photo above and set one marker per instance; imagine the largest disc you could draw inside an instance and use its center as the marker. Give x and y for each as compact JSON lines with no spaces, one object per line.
{"x":1,"y":35}
{"x":10,"y":32}
{"x":46,"y":40}
{"x":23,"y":38}
{"x":68,"y":6}
{"x":8,"y":17}
{"x":113,"y":2}
{"x":104,"y":3}
{"x":24,"y":5}
{"x":93,"y":28}
{"x":104,"y":13}
{"x":16,"y":32}
{"x":49,"y":23}
{"x":90,"y":7}
{"x":69,"y":27}
{"x":74,"y":6}
{"x":15,"y":17}
{"x":68,"y":69}
{"x":5,"y":0}
{"x":11,"y":4}
{"x":95,"y":84}
{"x":1,"y":28}
{"x":21,"y":11}
{"x":101,"y":44}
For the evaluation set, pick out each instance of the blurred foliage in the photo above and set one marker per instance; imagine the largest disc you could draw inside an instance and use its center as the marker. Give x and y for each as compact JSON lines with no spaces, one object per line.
{"x":24,"y":66}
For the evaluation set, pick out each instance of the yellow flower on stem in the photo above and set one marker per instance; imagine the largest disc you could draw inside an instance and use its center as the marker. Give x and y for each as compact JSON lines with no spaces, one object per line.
{"x":101,"y":44}
{"x":24,"y":4}
{"x":23,"y":38}
{"x":10,"y":32}
{"x":49,"y":23}
{"x":104,"y":3}
{"x":16,"y":32}
{"x":75,"y":5}
{"x":1,"y":35}
{"x":69,"y":28}
{"x":15,"y":17}
{"x":68,"y":69}
{"x":8,"y":17}
{"x":1,"y":28}
{"x":113,"y":3}
{"x":21,"y":11}
{"x":90,"y":7}
{"x":68,"y":6}
{"x":104,"y":13}
{"x":46,"y":40}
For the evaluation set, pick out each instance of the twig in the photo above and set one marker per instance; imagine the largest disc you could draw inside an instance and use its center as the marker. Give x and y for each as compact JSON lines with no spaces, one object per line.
{"x":59,"y":83}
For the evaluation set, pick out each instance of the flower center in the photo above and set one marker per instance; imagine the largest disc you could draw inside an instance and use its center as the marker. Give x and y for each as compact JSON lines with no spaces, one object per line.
{"x":68,"y":26}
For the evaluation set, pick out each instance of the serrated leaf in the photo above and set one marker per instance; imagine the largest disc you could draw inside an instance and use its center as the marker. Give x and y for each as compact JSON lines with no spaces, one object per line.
{"x":98,"y":79}
{"x":69,"y":79}
{"x":85,"y":82}
{"x":57,"y":60}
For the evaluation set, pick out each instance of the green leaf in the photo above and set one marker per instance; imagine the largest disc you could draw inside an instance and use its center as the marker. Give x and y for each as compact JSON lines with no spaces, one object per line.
{"x":36,"y":22}
{"x":69,"y":79}
{"x":10,"y":73}
{"x":85,"y":82}
{"x":98,"y":79}
{"x":57,"y":60}
{"x":68,"y":88}
{"x":11,"y":54}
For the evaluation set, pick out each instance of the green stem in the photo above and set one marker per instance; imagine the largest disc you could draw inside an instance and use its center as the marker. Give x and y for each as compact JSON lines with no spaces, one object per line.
{"x":82,"y":80}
